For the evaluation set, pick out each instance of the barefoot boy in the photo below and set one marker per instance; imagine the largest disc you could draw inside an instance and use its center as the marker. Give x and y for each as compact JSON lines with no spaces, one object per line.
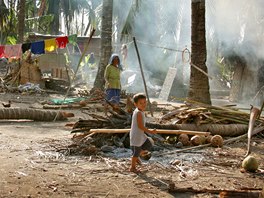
{"x":139,"y":141}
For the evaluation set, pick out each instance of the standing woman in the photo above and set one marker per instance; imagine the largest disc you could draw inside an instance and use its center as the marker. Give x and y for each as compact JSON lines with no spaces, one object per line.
{"x":112,"y":80}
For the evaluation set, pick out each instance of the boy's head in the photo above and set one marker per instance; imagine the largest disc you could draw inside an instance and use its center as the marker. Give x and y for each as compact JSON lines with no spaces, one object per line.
{"x":140,"y":101}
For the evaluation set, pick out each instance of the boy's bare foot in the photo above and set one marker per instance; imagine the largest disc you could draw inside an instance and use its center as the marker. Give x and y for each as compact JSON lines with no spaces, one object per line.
{"x":139,"y":162}
{"x":134,"y":170}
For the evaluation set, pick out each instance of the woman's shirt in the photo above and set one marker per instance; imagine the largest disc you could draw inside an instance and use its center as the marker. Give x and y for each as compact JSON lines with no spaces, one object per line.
{"x":112,"y":77}
{"x":137,"y":136}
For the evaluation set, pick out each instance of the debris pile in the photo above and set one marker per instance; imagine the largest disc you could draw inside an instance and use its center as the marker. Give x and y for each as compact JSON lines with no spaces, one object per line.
{"x":218,"y":121}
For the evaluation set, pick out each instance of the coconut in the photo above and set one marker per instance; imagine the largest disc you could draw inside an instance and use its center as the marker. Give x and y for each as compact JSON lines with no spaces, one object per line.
{"x":217,"y":141}
{"x":184,"y":139}
{"x":250,"y":164}
{"x":203,"y":139}
{"x":83,"y":103}
{"x":171,"y":139}
{"x":208,"y":139}
{"x":196,"y":140}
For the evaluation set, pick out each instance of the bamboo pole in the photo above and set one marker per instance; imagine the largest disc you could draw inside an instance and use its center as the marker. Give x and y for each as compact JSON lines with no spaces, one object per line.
{"x":159,"y":131}
{"x":143,"y":77}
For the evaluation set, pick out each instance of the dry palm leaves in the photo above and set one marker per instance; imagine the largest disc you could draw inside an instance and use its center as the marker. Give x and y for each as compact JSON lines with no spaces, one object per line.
{"x":205,"y":114}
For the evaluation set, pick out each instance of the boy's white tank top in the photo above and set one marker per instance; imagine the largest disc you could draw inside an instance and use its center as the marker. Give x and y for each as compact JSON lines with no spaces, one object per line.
{"x":137,"y":136}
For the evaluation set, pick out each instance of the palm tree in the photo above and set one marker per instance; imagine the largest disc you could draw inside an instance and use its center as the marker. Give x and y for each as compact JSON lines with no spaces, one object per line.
{"x":199,"y":83}
{"x":3,"y":20}
{"x":21,"y":20}
{"x":72,"y":8}
{"x":54,"y":9}
{"x":106,"y":42}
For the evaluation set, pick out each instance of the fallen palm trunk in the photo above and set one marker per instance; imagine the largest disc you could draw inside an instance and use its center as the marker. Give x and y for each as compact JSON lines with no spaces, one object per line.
{"x":159,"y":131}
{"x":33,"y":114}
{"x":215,"y":129}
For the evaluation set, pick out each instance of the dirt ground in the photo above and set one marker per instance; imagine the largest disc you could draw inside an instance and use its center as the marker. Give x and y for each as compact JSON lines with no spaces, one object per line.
{"x":30,"y":165}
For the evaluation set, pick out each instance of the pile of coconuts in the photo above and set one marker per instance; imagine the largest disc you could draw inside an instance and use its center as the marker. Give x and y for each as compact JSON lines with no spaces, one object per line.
{"x":196,"y":140}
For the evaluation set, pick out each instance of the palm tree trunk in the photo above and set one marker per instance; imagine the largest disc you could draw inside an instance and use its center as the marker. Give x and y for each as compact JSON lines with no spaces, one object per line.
{"x":199,"y":83}
{"x":21,"y":20}
{"x":236,"y":86}
{"x":106,"y":42}
{"x":54,"y":8}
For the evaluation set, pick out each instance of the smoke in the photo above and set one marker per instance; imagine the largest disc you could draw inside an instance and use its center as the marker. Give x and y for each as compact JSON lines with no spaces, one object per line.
{"x":237,"y":24}
{"x":232,"y":27}
{"x":162,"y":30}
{"x":236,"y":28}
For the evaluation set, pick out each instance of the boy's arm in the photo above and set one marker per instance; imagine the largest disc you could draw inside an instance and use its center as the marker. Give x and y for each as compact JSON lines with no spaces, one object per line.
{"x":141,"y":125}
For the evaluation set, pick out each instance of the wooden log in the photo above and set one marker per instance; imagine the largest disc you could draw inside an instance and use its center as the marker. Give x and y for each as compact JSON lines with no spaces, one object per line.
{"x":235,"y":194}
{"x":222,"y":193}
{"x":33,"y":114}
{"x":160,"y":131}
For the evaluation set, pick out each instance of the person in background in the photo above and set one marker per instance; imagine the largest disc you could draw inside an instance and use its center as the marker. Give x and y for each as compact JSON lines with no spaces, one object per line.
{"x":124,"y":54}
{"x":140,"y":143}
{"x":112,"y":80}
{"x":91,"y":61}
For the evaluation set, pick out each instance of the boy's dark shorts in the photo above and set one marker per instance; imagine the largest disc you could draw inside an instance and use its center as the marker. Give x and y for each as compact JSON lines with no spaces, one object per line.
{"x":136,"y":149}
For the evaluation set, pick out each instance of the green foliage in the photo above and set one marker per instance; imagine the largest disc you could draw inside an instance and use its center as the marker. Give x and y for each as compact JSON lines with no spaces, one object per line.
{"x":225,"y":72}
{"x":11,"y":40}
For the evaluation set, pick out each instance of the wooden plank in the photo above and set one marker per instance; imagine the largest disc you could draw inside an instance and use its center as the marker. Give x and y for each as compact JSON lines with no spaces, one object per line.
{"x":159,"y":131}
{"x":166,"y":88}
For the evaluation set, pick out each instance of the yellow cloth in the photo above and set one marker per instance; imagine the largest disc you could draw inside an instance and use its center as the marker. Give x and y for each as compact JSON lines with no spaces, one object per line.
{"x":50,"y":45}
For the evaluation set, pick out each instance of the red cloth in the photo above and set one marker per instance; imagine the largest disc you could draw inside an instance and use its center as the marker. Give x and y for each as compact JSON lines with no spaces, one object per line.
{"x":13,"y":51}
{"x":62,"y":41}
{"x":2,"y":51}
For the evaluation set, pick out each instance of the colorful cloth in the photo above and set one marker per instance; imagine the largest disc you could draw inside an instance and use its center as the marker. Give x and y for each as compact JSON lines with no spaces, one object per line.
{"x":2,"y":51}
{"x":50,"y":45}
{"x":62,"y":42}
{"x":26,"y":47}
{"x":113,"y":95}
{"x":13,"y":51}
{"x":38,"y":47}
{"x":73,"y":39}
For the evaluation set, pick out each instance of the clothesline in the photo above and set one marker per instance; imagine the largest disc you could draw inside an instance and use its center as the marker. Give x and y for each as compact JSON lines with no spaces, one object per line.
{"x":38,"y":47}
